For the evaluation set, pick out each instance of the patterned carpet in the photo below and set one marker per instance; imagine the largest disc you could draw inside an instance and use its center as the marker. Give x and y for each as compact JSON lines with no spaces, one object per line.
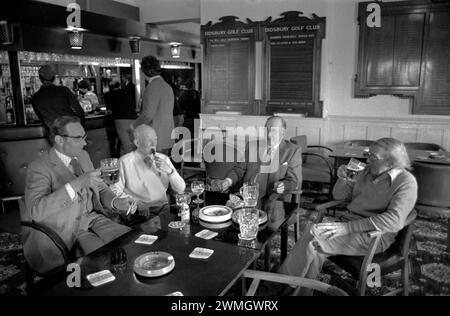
{"x":430,"y":263}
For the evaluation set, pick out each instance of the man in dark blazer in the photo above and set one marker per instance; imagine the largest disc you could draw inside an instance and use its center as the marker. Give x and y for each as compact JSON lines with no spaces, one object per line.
{"x":64,"y":192}
{"x":51,"y":101}
{"x":275,"y":164}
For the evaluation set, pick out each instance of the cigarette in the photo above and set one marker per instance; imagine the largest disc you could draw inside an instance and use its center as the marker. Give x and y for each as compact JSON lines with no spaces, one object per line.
{"x":131,"y":206}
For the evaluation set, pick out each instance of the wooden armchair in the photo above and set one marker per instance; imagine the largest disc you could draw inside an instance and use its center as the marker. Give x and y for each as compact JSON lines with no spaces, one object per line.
{"x":66,"y":254}
{"x":257,"y":276}
{"x":396,"y":257}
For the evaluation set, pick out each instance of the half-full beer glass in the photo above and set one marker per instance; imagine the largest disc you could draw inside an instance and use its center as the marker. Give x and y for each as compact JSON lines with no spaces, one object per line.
{"x":250,"y":193}
{"x":109,"y":168}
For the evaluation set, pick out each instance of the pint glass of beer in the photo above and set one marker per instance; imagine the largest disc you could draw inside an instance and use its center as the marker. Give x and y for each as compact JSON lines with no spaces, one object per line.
{"x":110,"y":170}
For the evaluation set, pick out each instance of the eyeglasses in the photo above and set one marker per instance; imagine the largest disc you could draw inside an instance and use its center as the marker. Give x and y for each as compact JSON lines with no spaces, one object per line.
{"x":78,"y":138}
{"x":372,"y":156}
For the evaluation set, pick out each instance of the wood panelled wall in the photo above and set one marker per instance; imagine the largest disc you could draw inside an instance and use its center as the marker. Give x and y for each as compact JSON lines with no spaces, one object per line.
{"x":334,"y":129}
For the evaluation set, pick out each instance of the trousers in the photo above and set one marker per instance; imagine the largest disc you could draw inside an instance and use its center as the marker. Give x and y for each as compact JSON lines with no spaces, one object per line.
{"x":101,"y":231}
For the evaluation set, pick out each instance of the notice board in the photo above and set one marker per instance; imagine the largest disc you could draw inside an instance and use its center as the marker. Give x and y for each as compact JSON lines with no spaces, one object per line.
{"x":229,"y":50}
{"x":293,"y":46}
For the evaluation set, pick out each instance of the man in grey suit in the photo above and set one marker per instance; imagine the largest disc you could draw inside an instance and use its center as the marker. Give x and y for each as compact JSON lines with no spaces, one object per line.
{"x":157,"y":104}
{"x":64,"y":192}
{"x":279,"y":170}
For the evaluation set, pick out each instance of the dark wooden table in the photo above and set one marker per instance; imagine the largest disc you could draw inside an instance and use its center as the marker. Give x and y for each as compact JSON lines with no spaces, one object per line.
{"x":229,"y":234}
{"x":211,"y":277}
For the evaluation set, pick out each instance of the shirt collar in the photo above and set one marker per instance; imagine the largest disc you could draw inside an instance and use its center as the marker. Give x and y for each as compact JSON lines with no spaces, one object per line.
{"x":64,"y":158}
{"x":153,"y":78}
{"x":392,"y":174}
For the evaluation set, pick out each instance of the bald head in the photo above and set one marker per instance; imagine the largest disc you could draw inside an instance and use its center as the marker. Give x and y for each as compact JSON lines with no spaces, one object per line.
{"x":276,"y":129}
{"x":145,"y":138}
{"x":276,"y":121}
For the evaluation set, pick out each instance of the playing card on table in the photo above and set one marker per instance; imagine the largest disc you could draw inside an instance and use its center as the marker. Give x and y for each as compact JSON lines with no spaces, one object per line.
{"x":201,"y":253}
{"x":146,"y":239}
{"x":100,"y":278}
{"x":206,"y":234}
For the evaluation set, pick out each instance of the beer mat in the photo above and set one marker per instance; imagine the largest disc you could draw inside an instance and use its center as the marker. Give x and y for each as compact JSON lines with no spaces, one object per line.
{"x":176,"y":293}
{"x":201,"y":253}
{"x":99,"y":278}
{"x":206,"y":234}
{"x":146,"y":239}
{"x":177,"y":224}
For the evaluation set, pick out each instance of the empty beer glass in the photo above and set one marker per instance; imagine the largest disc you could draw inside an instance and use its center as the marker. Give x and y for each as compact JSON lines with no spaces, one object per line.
{"x":248,"y":220}
{"x":109,"y":168}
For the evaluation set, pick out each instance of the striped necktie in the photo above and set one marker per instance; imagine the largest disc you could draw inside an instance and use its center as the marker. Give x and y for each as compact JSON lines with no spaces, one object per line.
{"x":77,"y":170}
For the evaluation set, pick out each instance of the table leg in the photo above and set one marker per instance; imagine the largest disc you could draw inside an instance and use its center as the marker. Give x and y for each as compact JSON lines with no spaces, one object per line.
{"x":244,"y":286}
{"x":284,"y":242}
{"x":267,"y":256}
{"x":448,"y":235}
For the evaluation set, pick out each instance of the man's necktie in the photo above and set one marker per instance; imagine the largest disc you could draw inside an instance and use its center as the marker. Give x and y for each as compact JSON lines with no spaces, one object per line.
{"x":76,"y":167}
{"x":148,"y":161}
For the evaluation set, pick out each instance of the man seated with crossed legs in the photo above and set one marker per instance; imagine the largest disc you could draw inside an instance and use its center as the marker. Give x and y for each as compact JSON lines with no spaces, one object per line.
{"x":64,"y":192}
{"x":382,"y":198}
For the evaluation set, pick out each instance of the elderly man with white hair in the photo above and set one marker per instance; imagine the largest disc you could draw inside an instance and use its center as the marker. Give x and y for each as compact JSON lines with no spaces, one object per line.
{"x":381,"y":197}
{"x":146,"y":175}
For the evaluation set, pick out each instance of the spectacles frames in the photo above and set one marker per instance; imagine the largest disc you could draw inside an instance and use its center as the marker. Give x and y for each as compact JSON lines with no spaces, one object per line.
{"x":372,"y":156}
{"x":79,"y":138}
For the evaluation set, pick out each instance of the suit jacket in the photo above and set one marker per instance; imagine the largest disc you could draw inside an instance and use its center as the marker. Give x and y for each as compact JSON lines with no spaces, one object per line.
{"x":51,"y":102}
{"x":47,"y":202}
{"x":286,"y":167}
{"x":157,"y":109}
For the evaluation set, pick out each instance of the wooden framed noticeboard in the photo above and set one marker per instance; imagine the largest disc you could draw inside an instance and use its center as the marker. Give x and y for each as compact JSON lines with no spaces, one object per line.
{"x":278,"y":62}
{"x":292,"y":61}
{"x":229,"y":65}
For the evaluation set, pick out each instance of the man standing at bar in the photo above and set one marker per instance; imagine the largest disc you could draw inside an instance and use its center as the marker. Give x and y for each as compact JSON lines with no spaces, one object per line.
{"x":51,"y":101}
{"x":157,"y":104}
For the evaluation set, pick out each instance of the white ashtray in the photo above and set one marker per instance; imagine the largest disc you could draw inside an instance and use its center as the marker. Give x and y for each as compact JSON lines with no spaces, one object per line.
{"x":154,"y":264}
{"x":215,"y":213}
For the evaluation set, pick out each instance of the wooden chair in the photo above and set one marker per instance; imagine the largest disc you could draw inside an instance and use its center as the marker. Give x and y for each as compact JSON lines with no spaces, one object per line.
{"x":67,"y":255}
{"x":316,"y":167}
{"x":191,"y":158}
{"x":396,"y":257}
{"x":257,"y":276}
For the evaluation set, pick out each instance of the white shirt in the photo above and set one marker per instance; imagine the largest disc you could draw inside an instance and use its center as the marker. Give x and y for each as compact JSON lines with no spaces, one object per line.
{"x":153,"y":78}
{"x":138,"y":181}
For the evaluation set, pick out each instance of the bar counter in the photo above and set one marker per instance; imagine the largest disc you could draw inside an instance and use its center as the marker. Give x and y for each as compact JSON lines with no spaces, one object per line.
{"x":20,"y":145}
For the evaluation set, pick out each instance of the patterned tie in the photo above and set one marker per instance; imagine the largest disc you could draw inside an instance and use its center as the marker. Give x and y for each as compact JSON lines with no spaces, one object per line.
{"x":148,"y":161}
{"x":76,"y":167}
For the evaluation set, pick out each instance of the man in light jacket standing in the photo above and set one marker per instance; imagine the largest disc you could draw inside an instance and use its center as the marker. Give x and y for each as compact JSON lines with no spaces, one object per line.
{"x":157,"y":104}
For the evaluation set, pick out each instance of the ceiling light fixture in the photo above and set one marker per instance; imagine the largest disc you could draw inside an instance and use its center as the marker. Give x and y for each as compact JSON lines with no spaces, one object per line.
{"x":75,"y":37}
{"x":175,"y":49}
{"x":135,"y":44}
